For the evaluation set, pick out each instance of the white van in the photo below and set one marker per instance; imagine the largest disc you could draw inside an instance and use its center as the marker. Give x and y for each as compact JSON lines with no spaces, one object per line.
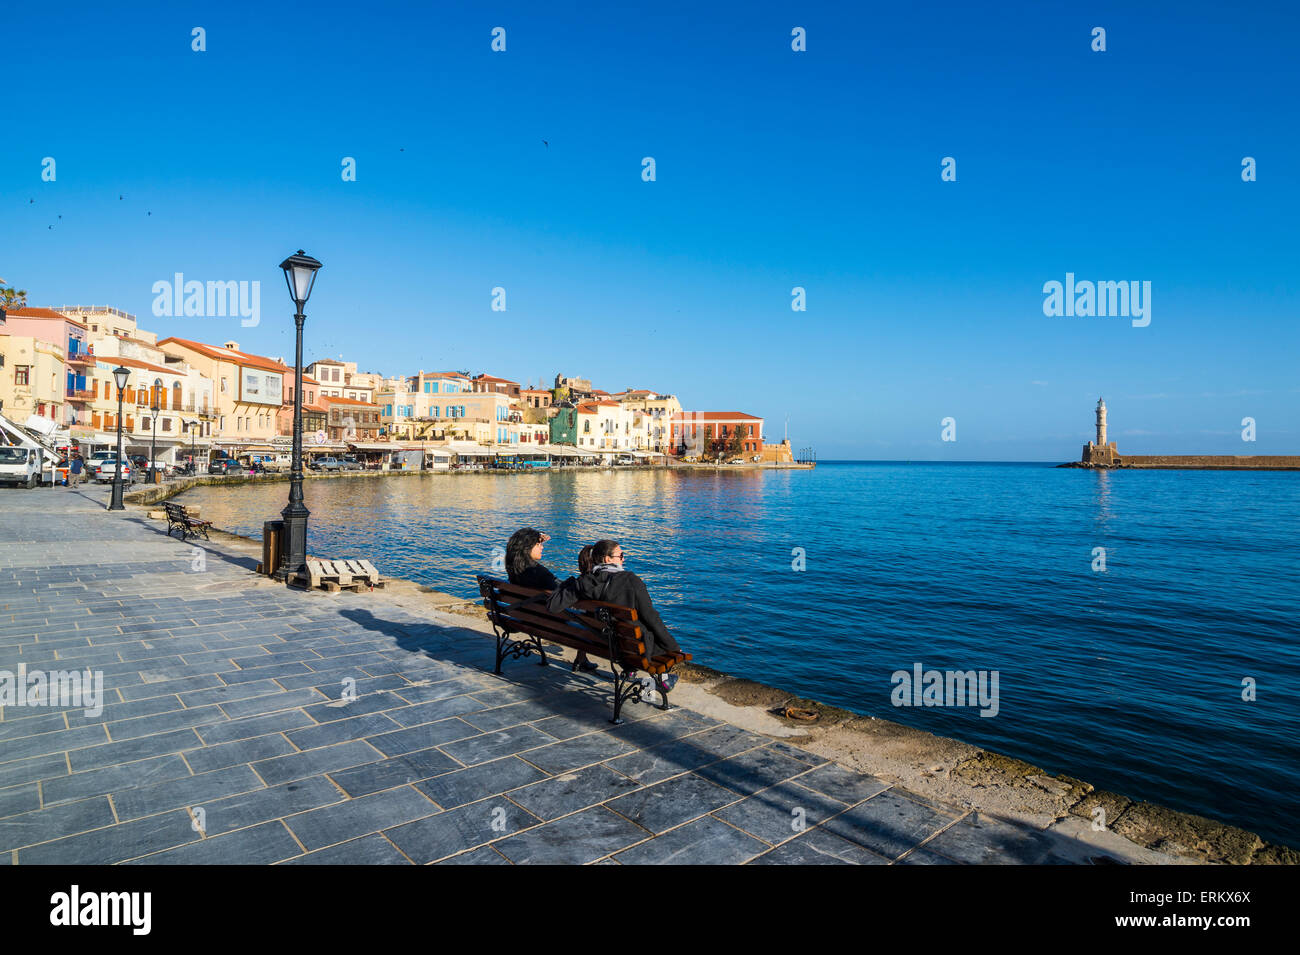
{"x":19,"y":466}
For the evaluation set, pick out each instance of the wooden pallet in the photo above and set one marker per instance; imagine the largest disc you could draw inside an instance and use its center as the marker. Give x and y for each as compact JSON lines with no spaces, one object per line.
{"x":333,"y":576}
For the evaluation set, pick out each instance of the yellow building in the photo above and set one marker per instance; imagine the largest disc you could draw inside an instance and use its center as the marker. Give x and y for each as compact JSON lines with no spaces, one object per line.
{"x":32,"y":378}
{"x":247,"y":392}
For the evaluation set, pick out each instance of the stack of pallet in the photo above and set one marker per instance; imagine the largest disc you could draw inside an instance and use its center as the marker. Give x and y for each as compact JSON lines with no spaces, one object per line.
{"x":335,"y":575}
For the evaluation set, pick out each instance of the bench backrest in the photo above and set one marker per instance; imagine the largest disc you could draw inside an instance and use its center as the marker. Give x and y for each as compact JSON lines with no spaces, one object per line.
{"x":587,"y":626}
{"x":174,"y":510}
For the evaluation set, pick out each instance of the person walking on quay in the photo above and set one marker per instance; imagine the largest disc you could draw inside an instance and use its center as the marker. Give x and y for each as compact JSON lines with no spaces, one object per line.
{"x":75,"y":470}
{"x":525,"y":569}
{"x":604,"y":577}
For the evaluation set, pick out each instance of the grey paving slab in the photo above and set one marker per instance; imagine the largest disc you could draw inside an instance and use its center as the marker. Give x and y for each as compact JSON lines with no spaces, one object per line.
{"x":422,"y":737}
{"x":55,"y":822}
{"x":489,"y":746}
{"x":114,"y":843}
{"x":19,"y":799}
{"x":101,"y":782}
{"x":751,"y":771}
{"x":163,"y":722}
{"x":368,"y":850}
{"x":356,"y":727}
{"x":397,"y":771}
{"x":979,"y":839}
{"x":572,"y":791}
{"x":277,"y":722}
{"x":187,"y":791}
{"x":673,"y":802}
{"x":889,"y":824}
{"x":313,"y":762}
{"x":126,"y":751}
{"x":240,"y":751}
{"x":482,"y":856}
{"x":360,"y":816}
{"x":450,"y":790}
{"x":60,"y":741}
{"x":259,"y":845}
{"x":416,"y":713}
{"x":842,"y":784}
{"x":574,"y":840}
{"x":781,"y":812}
{"x":455,"y":830}
{"x":263,"y":805}
{"x":706,"y":841}
{"x":819,"y":847}
{"x":272,"y":703}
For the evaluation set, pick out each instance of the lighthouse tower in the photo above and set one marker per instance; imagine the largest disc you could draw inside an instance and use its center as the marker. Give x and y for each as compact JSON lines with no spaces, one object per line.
{"x":1101,"y":453}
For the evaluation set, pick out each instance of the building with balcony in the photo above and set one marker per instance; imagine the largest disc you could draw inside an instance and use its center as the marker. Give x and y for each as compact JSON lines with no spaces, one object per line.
{"x":32,"y":379}
{"x":347,"y":419}
{"x":247,"y":391}
{"x":490,"y":384}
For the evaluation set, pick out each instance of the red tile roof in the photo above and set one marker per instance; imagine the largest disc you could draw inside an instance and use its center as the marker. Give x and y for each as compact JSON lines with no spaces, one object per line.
{"x":229,"y":354}
{"x":136,"y":363}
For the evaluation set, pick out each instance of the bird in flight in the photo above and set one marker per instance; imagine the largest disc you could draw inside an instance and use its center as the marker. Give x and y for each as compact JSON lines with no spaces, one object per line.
{"x":546,"y":144}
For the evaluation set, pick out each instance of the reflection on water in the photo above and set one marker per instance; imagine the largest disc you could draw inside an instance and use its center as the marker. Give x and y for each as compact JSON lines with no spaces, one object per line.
{"x":953,"y":566}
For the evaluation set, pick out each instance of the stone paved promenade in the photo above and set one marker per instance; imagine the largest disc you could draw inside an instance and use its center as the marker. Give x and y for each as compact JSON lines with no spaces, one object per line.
{"x":224,"y":737}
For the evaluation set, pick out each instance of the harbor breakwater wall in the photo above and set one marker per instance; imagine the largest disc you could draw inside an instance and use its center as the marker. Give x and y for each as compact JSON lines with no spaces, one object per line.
{"x":1222,"y":462}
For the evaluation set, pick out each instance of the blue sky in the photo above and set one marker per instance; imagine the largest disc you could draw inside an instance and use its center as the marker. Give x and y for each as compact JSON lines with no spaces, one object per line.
{"x":775,"y":169}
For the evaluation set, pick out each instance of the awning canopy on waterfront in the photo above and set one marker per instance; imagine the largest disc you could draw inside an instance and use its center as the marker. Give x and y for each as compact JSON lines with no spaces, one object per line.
{"x":469,"y":449}
{"x":377,"y":446}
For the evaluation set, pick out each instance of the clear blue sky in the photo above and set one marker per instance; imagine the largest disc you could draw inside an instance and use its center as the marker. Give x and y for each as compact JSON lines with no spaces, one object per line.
{"x":774,"y":169}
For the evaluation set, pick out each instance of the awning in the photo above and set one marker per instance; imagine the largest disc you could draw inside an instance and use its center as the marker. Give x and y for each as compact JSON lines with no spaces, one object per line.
{"x":469,"y":449}
{"x":377,"y":446}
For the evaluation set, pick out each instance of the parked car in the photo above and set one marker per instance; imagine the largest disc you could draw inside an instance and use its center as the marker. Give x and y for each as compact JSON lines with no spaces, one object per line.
{"x":223,"y":466}
{"x":268,"y":462}
{"x":736,"y":461}
{"x":106,"y":469}
{"x":327,"y":464}
{"x":349,"y":462}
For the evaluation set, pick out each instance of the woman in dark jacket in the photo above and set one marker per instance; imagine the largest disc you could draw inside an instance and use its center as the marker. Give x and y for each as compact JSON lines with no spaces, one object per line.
{"x":524,"y":567}
{"x":605,"y":578}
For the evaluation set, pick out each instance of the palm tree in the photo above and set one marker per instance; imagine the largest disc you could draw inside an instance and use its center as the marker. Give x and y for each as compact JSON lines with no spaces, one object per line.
{"x":12,"y":298}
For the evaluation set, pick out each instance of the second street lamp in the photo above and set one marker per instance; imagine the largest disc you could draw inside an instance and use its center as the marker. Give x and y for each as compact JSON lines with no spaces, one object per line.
{"x":120,"y":376}
{"x":154,"y":407}
{"x":300,"y":275}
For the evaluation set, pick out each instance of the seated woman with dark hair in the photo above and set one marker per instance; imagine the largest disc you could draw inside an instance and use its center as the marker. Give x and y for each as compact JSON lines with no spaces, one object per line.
{"x":524,"y":567}
{"x":603,"y":577}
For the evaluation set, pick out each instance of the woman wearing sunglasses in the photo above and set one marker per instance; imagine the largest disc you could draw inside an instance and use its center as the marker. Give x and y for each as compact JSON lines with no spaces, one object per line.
{"x":525,"y":568}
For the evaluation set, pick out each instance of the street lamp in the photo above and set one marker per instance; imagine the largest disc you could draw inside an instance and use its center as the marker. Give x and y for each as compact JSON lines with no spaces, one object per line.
{"x":191,"y":426}
{"x":300,"y":276}
{"x":155,"y":405}
{"x":120,"y":376}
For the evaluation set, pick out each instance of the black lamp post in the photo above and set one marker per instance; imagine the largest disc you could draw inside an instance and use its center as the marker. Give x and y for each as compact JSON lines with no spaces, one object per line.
{"x":155,"y":405}
{"x":191,"y":426}
{"x":300,"y":275}
{"x":120,"y":376}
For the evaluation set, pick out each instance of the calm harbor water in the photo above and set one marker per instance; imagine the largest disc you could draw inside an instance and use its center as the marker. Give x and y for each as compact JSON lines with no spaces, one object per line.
{"x":1130,"y":678}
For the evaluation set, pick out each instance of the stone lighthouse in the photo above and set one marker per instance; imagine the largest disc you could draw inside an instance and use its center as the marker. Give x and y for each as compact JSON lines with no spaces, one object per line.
{"x":1100,"y":453}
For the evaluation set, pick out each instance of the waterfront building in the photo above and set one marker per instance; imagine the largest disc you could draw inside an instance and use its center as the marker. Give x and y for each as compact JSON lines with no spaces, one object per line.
{"x":692,"y":430}
{"x":659,"y":410}
{"x":347,"y":419}
{"x":247,"y":392}
{"x":535,"y":398}
{"x":32,"y":379}
{"x":604,"y":426}
{"x":313,"y":414}
{"x":485,"y":384}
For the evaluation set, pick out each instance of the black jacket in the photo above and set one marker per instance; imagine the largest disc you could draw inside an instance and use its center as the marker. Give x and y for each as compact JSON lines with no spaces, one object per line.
{"x":620,"y":587}
{"x":535,"y":576}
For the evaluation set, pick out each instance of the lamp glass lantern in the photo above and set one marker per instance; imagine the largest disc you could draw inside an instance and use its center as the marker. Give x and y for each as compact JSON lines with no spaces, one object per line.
{"x":120,"y":377}
{"x":300,"y":276}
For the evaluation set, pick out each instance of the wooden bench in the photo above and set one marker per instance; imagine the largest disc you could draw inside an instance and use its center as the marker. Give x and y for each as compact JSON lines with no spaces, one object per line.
{"x":179,"y":519}
{"x":596,"y":628}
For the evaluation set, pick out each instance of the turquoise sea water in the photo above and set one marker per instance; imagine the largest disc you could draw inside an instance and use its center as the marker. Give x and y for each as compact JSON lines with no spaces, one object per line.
{"x":1129,"y":677}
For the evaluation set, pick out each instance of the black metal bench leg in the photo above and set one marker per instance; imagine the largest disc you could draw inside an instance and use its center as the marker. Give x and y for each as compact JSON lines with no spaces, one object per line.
{"x":501,"y":641}
{"x":619,"y":681}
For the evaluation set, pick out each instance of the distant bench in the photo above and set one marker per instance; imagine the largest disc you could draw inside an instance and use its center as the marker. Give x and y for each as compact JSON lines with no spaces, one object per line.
{"x":178,"y":519}
{"x":596,"y":628}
